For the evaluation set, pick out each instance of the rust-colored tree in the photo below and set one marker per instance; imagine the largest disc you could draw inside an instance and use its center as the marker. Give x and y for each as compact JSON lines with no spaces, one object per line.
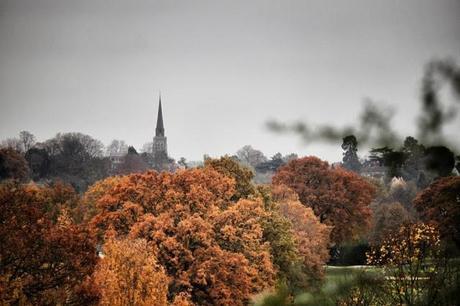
{"x":41,"y":262}
{"x":12,"y":165}
{"x":128,"y":274}
{"x":440,"y":203}
{"x":338,"y":197}
{"x":210,"y":246}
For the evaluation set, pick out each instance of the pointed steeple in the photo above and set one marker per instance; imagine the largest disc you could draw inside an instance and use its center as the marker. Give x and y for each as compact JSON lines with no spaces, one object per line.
{"x":160,"y":130}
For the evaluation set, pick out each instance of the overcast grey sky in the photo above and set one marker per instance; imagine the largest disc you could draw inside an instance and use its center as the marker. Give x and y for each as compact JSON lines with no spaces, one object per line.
{"x":224,"y":67}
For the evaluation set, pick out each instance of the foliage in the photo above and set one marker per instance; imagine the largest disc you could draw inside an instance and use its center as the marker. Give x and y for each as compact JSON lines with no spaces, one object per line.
{"x":278,"y":232}
{"x":74,"y":158}
{"x":94,"y":193}
{"x":391,"y":159}
{"x":128,"y":274}
{"x":229,"y":167}
{"x":414,"y":164}
{"x":210,"y":246}
{"x":387,"y":219}
{"x":338,"y":197}
{"x":440,"y":203}
{"x":413,"y":265}
{"x":311,"y":236}
{"x":12,"y":165}
{"x":42,"y":262}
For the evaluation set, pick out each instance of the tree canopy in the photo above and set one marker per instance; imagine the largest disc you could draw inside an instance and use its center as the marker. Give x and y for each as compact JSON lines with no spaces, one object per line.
{"x":338,"y":197}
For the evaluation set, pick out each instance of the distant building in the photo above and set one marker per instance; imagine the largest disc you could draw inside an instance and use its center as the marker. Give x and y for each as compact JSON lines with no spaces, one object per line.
{"x":160,"y":145}
{"x":156,"y":157}
{"x":160,"y":159}
{"x":373,"y":169}
{"x":116,"y":159}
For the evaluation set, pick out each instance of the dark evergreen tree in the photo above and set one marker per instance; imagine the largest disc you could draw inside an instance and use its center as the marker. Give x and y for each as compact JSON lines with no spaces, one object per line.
{"x":392,"y":160}
{"x":350,"y":155}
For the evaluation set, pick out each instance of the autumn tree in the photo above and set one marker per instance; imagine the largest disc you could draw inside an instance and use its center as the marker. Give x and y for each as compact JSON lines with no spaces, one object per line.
{"x":90,"y":206}
{"x":413,"y":265}
{"x":128,"y":274}
{"x":440,"y":203}
{"x":12,"y":165}
{"x":42,"y":262}
{"x":338,"y":197}
{"x":229,"y":167}
{"x":311,"y":236}
{"x":209,"y":245}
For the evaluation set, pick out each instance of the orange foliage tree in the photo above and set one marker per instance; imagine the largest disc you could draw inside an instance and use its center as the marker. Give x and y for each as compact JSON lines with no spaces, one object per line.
{"x":338,"y":197}
{"x":285,"y":233}
{"x":210,"y":246}
{"x":94,"y":193}
{"x":128,"y":274}
{"x":412,"y":264}
{"x":311,"y":236}
{"x":277,"y":230}
{"x":41,"y":261}
{"x":440,"y":203}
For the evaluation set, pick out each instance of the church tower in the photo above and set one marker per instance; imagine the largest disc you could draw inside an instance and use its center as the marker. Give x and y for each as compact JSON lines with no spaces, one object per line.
{"x":160,"y":148}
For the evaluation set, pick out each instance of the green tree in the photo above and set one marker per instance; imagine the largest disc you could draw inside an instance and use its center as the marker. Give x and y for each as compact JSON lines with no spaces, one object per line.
{"x":229,"y":167}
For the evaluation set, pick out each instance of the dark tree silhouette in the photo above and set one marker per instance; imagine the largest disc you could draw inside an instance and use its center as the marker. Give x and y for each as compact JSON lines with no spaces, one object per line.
{"x":350,"y":156}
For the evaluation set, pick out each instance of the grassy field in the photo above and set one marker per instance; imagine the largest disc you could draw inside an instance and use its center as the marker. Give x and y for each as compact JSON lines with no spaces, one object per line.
{"x":337,"y":274}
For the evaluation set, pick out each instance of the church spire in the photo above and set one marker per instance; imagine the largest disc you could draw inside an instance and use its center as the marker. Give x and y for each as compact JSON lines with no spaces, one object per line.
{"x":160,"y":130}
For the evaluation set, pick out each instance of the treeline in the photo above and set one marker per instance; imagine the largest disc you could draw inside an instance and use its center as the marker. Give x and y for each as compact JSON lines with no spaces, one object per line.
{"x":74,"y":158}
{"x":80,"y":160}
{"x":210,"y":236}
